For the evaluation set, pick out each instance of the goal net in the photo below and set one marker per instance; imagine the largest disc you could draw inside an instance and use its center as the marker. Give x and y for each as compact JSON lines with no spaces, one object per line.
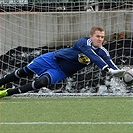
{"x":29,"y":28}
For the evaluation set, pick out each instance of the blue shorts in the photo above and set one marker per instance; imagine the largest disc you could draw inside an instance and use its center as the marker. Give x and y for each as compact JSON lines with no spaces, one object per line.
{"x":47,"y":64}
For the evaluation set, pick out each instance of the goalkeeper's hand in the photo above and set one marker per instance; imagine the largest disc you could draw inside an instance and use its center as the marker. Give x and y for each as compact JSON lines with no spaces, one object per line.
{"x":117,"y":73}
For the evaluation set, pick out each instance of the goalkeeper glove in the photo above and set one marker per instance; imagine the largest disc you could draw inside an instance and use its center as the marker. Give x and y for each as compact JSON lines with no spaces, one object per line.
{"x":116,"y":73}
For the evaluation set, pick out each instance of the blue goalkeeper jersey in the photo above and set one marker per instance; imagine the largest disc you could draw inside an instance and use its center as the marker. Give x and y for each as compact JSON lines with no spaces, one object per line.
{"x":82,"y":54}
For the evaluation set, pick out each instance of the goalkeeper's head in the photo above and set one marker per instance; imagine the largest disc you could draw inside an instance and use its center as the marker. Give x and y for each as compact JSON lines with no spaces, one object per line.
{"x":97,"y":36}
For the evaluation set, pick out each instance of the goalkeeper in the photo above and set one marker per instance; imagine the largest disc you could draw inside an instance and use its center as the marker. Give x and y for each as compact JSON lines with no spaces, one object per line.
{"x":55,"y":66}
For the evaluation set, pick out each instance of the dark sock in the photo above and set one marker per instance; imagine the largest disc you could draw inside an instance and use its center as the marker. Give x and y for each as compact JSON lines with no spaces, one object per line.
{"x":21,"y":89}
{"x":9,"y":78}
{"x":16,"y":75}
{"x":41,"y":82}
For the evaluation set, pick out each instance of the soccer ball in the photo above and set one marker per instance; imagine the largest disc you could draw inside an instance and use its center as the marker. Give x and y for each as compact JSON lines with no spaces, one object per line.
{"x":128,"y":77}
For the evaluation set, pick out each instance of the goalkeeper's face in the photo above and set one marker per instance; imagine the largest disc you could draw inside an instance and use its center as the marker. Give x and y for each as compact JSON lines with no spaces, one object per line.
{"x":97,"y":38}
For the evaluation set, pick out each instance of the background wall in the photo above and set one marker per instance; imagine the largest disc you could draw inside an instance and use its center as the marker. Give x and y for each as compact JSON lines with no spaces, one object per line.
{"x":53,"y":29}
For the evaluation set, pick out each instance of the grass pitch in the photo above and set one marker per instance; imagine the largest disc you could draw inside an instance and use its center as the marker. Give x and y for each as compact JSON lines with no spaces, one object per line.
{"x":66,"y":115}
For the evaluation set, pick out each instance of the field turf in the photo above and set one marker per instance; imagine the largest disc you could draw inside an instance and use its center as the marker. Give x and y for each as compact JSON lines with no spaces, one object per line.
{"x":66,"y":115}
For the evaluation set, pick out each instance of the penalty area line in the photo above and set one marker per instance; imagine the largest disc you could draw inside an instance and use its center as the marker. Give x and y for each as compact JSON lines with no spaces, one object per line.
{"x":66,"y":123}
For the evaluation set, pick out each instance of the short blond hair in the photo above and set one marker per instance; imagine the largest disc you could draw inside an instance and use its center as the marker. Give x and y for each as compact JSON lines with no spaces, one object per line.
{"x":96,"y":28}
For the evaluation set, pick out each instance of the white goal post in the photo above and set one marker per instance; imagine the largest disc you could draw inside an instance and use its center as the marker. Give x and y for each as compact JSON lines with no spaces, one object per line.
{"x":29,"y":28}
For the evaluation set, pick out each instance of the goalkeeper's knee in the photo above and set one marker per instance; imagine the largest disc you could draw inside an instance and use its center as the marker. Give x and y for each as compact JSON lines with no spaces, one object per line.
{"x":23,"y":72}
{"x":43,"y":81}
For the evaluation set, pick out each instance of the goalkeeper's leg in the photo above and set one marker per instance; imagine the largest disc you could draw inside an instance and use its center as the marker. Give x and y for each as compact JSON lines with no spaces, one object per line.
{"x":15,"y":76}
{"x":43,"y":81}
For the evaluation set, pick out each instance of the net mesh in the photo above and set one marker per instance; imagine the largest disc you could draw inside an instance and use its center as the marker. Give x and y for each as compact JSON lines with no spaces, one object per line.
{"x":29,"y":28}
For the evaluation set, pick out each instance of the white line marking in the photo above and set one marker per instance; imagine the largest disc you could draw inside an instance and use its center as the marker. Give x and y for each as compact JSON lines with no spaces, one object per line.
{"x":66,"y":123}
{"x":13,"y":102}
